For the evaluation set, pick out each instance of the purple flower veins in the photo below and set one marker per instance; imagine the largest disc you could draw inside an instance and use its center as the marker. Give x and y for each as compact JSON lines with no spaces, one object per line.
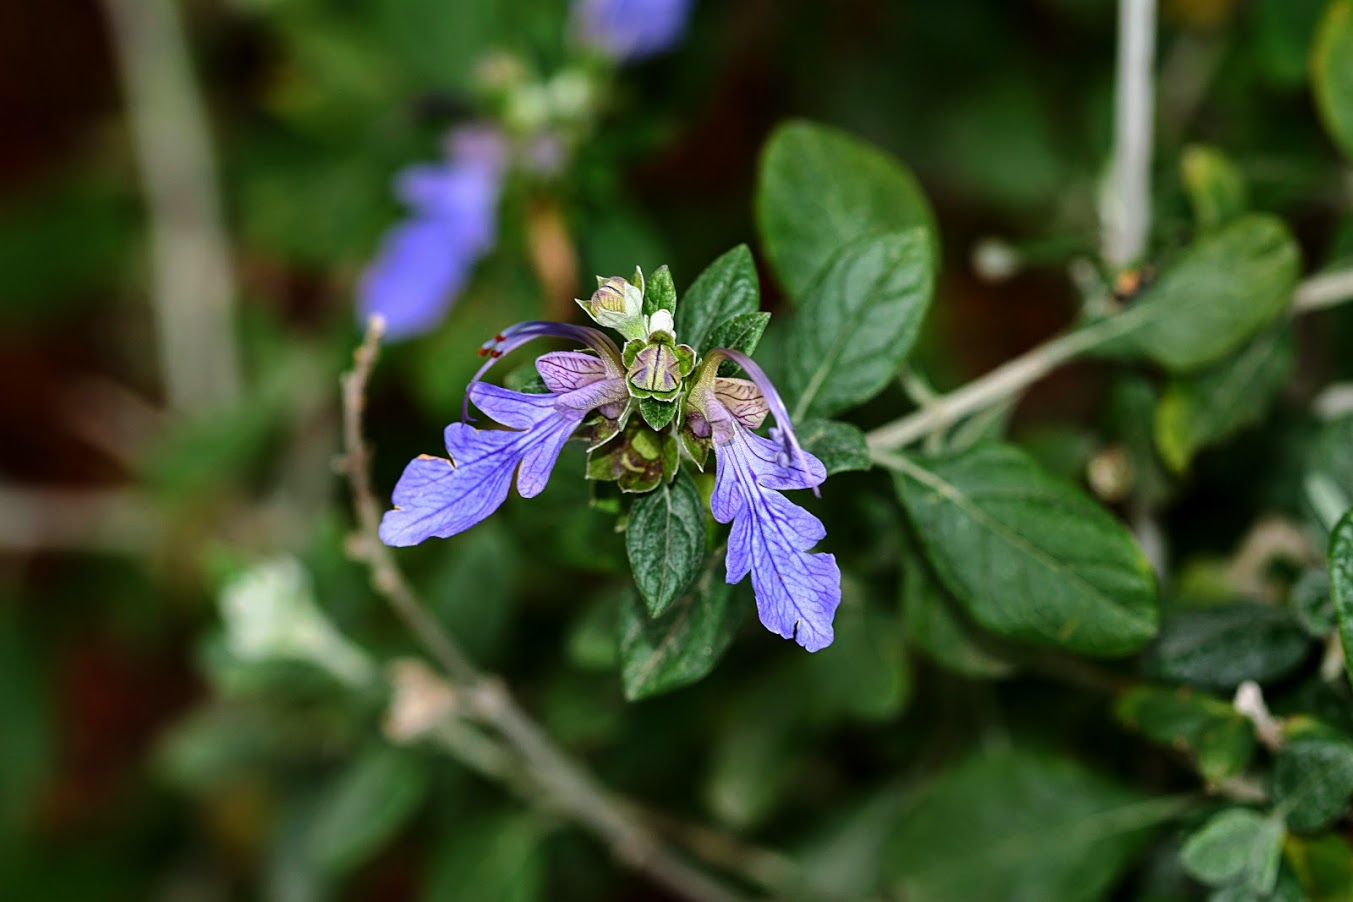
{"x":797,"y":590}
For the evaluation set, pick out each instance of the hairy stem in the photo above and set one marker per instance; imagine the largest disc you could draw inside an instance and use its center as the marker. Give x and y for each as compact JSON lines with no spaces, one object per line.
{"x":566,"y":786}
{"x":1014,"y":376}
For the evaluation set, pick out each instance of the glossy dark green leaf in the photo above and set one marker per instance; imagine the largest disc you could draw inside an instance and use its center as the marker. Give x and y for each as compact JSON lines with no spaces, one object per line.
{"x":933,"y":622}
{"x":1331,"y":74}
{"x":683,"y":645}
{"x":1236,"y":846}
{"x":820,"y":190}
{"x":666,"y":541}
{"x":1313,"y":780}
{"x":858,"y":322}
{"x":1029,"y":556}
{"x":367,"y":804}
{"x":1215,"y":188}
{"x":840,"y":446}
{"x":1312,"y":604}
{"x":1221,"y":646}
{"x":1022,"y":827}
{"x":1219,"y":739}
{"x":728,"y":287}
{"x":1212,"y":404}
{"x":1215,"y":296}
{"x":1341,"y":583}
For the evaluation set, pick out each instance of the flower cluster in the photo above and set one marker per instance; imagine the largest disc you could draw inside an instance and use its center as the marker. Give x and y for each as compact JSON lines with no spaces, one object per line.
{"x":641,"y":406}
{"x":425,"y":261}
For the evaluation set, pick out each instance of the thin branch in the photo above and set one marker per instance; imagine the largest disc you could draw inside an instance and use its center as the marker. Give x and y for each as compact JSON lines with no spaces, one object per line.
{"x":1126,"y":211}
{"x":107,"y":520}
{"x":1011,"y":378}
{"x":192,"y":289}
{"x":566,"y":786}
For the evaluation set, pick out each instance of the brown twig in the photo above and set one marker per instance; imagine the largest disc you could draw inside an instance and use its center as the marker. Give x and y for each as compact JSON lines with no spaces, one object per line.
{"x":567,"y":787}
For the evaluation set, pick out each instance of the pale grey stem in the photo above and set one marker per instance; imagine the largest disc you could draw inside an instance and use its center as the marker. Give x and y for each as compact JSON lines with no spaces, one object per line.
{"x":1126,"y":209}
{"x":192,"y":287}
{"x":1014,"y":376}
{"x":101,"y":520}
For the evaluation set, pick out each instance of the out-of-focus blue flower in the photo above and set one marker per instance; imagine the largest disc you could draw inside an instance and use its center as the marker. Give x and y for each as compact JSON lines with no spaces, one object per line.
{"x":797,"y":592}
{"x":630,"y":29}
{"x":425,"y":261}
{"x":440,"y":497}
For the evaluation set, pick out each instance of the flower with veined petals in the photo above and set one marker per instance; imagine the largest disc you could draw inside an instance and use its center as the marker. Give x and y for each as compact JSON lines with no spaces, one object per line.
{"x":797,"y":592}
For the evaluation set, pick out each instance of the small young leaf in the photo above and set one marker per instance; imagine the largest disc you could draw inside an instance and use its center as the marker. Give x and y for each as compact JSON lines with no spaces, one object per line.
{"x":1313,"y":781}
{"x":1236,"y":846}
{"x":1221,"y":646}
{"x":680,"y":647}
{"x":1030,"y":557}
{"x":660,"y":292}
{"x":858,"y":322}
{"x":657,"y":414}
{"x":740,"y":333}
{"x":666,"y":542}
{"x":1218,"y":294}
{"x":1341,"y":584}
{"x":1332,"y":76}
{"x":728,"y":287}
{"x":1020,"y":826}
{"x":820,"y":190}
{"x":840,"y":446}
{"x":1216,"y":189}
{"x":1214,"y":403}
{"x":365,"y":806}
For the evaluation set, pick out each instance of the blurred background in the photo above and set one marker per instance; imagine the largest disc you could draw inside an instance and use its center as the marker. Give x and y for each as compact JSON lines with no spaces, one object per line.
{"x":190,"y":191}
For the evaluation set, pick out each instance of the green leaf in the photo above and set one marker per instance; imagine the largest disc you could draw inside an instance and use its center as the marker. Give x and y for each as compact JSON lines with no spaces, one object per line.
{"x":1029,"y":556}
{"x":1221,"y":646}
{"x":740,"y":333}
{"x":680,"y":647}
{"x":1236,"y":846}
{"x":498,"y":857}
{"x":820,"y":190}
{"x":1216,"y":189}
{"x":864,"y":672}
{"x":1219,"y":293}
{"x":858,"y":322}
{"x":728,"y":287}
{"x":666,"y":542}
{"x":1331,"y":74}
{"x":1341,"y":584}
{"x":1218,"y":738}
{"x":1021,"y":827}
{"x":1212,"y":404}
{"x":660,"y":292}
{"x":1324,"y":865}
{"x":365,"y":806}
{"x":1313,"y":780}
{"x":1312,"y":604}
{"x":657,"y":414}
{"x":932,"y":620}
{"x":840,"y":446}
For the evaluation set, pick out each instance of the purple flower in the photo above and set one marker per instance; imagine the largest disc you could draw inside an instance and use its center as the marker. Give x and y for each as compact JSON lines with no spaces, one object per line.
{"x":440,"y":497}
{"x":630,"y":29}
{"x":797,"y":592}
{"x":425,"y":261}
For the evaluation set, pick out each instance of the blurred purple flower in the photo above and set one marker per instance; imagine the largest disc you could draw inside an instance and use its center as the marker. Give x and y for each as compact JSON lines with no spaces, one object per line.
{"x":630,"y":29}
{"x":440,"y":497}
{"x":797,"y":592}
{"x":425,"y":261}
